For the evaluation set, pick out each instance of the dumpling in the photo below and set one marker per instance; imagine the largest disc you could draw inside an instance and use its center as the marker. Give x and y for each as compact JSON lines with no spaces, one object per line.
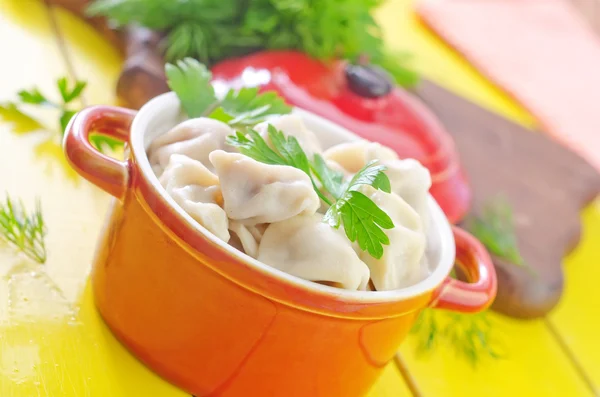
{"x":306,"y":247}
{"x":197,"y":191}
{"x":195,"y":138}
{"x":402,"y":262}
{"x":248,"y":237}
{"x":352,"y":156}
{"x":411,"y":181}
{"x":254,"y":192}
{"x":292,"y":125}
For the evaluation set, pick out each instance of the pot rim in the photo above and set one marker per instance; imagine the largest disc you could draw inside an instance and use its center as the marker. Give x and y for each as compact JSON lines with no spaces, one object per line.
{"x":169,"y":101}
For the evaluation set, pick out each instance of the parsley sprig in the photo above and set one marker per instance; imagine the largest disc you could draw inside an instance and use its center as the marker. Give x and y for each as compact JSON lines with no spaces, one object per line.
{"x":362,"y":219}
{"x":214,"y":30}
{"x":65,"y":107}
{"x":190,"y":80}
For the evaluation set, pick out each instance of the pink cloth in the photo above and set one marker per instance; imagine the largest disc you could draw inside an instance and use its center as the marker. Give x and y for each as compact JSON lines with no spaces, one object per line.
{"x":540,"y":51}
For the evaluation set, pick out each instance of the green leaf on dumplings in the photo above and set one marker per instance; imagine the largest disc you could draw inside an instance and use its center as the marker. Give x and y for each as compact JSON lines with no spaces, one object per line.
{"x":363,"y":222}
{"x":190,"y":80}
{"x":255,"y":148}
{"x":332,"y":180}
{"x":371,"y":174}
{"x":247,"y":107}
{"x":289,"y":149}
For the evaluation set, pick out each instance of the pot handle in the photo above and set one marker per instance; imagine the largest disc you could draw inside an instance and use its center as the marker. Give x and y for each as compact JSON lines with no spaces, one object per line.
{"x":480,"y":291}
{"x":107,"y":173}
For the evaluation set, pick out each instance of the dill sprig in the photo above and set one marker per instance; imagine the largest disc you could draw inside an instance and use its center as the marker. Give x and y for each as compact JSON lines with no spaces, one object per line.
{"x":495,"y":228}
{"x":471,"y":336}
{"x":25,"y":231}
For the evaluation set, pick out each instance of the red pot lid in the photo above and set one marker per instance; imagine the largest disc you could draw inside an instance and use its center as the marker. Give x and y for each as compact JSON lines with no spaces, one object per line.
{"x":358,"y":100}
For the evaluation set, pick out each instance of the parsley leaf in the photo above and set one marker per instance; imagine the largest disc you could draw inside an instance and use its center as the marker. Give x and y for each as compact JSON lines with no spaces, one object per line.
{"x":65,"y":117}
{"x":373,"y":175}
{"x":363,"y":221}
{"x":70,"y":95}
{"x":289,"y":149}
{"x":247,"y":107}
{"x":190,"y":80}
{"x":362,"y":218}
{"x":25,"y":123}
{"x":33,"y":96}
{"x":332,"y":180}
{"x":255,"y":148}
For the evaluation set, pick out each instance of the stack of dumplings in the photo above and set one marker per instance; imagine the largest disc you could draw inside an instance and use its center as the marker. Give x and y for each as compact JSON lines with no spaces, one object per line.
{"x":273,"y":214}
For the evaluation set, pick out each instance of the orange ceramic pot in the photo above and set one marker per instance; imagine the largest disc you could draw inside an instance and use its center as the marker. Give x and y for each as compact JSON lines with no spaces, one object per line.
{"x":216,"y":322}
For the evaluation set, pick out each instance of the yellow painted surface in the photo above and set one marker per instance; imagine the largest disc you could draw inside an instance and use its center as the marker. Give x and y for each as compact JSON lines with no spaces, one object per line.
{"x":577,"y":317}
{"x":52,"y":341}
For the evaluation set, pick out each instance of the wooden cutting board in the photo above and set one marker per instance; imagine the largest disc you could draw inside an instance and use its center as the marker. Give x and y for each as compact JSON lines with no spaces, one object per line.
{"x":546,"y":185}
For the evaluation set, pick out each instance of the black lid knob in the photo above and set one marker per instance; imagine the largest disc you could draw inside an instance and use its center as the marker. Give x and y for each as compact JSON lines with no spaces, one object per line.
{"x":368,"y":81}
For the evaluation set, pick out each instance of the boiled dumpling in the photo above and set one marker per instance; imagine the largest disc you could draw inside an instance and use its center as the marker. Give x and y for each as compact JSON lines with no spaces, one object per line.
{"x":197,"y":191}
{"x":248,"y":237}
{"x":400,"y":265}
{"x":255,"y":192}
{"x":411,"y":181}
{"x":352,"y":156}
{"x":306,"y":247}
{"x":292,"y":125}
{"x":195,"y":138}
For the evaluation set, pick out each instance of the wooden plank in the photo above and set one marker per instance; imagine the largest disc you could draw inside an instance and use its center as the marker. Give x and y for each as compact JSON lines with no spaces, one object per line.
{"x":52,"y":341}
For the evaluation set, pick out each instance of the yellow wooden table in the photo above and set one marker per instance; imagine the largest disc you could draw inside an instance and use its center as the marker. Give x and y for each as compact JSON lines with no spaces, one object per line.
{"x":52,"y":341}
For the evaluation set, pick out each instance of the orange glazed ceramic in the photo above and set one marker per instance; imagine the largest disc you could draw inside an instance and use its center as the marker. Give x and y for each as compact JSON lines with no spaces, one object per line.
{"x":216,"y":322}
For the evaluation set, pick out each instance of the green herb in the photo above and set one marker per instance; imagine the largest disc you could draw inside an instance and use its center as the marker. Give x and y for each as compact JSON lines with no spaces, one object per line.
{"x":495,"y":229}
{"x":64,"y":106}
{"x":363,"y":220}
{"x":469,"y":335}
{"x":35,"y":97}
{"x":247,"y":107}
{"x":24,"y":231}
{"x":213,"y":30}
{"x":190,"y":80}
